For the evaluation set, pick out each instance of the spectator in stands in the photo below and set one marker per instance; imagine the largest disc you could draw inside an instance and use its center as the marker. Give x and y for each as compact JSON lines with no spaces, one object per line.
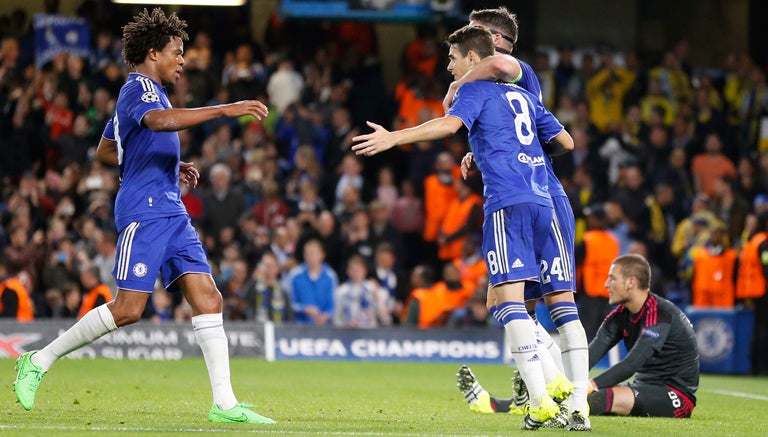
{"x":606,"y":90}
{"x":284,"y":85}
{"x":388,"y":275}
{"x":71,"y":298}
{"x":15,"y":301}
{"x":708,"y":166}
{"x":439,"y":192}
{"x":24,"y":254}
{"x":729,"y":206}
{"x":425,"y":306}
{"x":751,"y":283}
{"x":470,"y":265}
{"x":463,"y":219}
{"x":631,"y":195}
{"x":235,"y":289}
{"x":265,"y":298}
{"x":593,"y":260}
{"x":357,"y":238}
{"x":382,"y":230}
{"x":360,"y":302}
{"x":98,"y":293}
{"x":713,"y":271}
{"x":312,"y":287}
{"x":272,"y":211}
{"x":222,"y":204}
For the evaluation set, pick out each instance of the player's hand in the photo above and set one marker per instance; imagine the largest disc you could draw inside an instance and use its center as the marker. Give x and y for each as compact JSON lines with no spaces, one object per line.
{"x":246,"y":107}
{"x":467,"y":164}
{"x":448,"y":99}
{"x":375,"y":142}
{"x":188,"y":174}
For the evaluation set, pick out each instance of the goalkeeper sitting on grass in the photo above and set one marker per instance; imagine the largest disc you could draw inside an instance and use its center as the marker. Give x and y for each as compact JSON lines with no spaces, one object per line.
{"x":663,"y":356}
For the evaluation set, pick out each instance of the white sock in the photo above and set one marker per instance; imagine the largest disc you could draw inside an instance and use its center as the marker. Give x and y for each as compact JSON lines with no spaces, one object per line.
{"x":548,"y":363}
{"x":524,"y":348}
{"x":209,"y":333}
{"x":94,"y":324}
{"x":576,"y":362}
{"x":549,"y":343}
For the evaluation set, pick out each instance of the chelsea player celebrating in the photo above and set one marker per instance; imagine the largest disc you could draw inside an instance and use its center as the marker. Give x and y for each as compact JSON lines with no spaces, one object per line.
{"x":156,"y":235}
{"x":518,"y":208}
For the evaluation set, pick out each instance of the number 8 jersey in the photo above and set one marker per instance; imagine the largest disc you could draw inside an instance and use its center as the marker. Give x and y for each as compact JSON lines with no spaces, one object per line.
{"x":511,"y":161}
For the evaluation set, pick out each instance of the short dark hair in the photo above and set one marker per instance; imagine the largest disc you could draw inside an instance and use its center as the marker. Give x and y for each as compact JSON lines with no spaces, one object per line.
{"x":636,"y":266}
{"x":150,"y":31}
{"x":499,"y":20}
{"x":475,"y":38}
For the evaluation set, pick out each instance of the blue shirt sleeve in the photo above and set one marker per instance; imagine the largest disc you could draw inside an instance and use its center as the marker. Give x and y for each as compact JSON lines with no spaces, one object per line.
{"x":547,"y":125}
{"x":141,"y":96}
{"x":467,"y":104}
{"x":109,"y":129}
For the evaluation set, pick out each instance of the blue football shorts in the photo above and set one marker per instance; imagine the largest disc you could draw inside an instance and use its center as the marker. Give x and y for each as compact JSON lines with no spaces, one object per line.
{"x":557,"y":255}
{"x":168,"y":245}
{"x":512,"y":240}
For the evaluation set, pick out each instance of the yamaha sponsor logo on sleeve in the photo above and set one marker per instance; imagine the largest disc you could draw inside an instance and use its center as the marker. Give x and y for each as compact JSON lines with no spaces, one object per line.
{"x":150,"y":97}
{"x":140,"y":270}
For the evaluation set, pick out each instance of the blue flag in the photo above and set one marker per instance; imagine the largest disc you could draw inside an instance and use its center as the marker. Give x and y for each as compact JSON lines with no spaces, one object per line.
{"x":55,"y":34}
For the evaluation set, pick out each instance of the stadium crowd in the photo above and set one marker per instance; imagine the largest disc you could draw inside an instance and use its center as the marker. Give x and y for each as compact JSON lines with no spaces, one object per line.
{"x":670,"y":161}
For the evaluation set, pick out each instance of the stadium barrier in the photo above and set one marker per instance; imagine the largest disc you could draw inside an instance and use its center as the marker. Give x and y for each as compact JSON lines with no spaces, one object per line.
{"x":172,"y":341}
{"x":723,"y":337}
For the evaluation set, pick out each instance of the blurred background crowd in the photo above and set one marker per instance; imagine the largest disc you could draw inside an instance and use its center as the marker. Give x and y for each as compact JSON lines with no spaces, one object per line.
{"x":670,"y":161}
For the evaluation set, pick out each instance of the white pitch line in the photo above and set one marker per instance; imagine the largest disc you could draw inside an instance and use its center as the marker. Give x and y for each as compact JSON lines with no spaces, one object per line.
{"x":738,"y":394}
{"x":250,"y":431}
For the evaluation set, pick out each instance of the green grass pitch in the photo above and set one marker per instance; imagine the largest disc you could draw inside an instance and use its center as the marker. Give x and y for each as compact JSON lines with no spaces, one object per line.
{"x":327,"y":398}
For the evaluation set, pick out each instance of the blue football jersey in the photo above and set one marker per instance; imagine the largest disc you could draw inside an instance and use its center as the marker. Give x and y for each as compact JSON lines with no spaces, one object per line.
{"x":530,"y":82}
{"x":510,"y":158}
{"x":148,"y":160}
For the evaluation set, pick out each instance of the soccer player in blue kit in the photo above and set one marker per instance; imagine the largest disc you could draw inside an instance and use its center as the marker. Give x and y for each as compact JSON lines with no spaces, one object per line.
{"x":558,"y":282}
{"x":518,"y":208}
{"x":156,"y":235}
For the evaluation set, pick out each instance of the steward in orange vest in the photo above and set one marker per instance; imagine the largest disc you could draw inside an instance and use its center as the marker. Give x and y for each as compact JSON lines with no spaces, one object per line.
{"x":470,"y":264}
{"x":438,"y":194}
{"x":750,"y":281}
{"x":98,"y":294}
{"x":594,"y":256}
{"x":15,"y":301}
{"x":714,"y":265}
{"x":597,"y":251}
{"x":463,"y":218}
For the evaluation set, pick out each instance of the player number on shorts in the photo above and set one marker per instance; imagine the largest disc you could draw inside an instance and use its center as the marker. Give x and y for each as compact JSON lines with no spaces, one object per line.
{"x":547,"y":272}
{"x":493,"y":265}
{"x":519,"y":106}
{"x":676,"y":402}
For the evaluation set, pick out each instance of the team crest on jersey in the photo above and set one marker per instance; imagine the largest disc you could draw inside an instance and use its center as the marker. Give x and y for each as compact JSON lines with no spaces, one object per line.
{"x":150,"y":97}
{"x":140,"y":270}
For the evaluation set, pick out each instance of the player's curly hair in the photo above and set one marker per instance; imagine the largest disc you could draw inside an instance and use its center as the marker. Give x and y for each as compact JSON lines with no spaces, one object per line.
{"x":150,"y":31}
{"x":499,"y":20}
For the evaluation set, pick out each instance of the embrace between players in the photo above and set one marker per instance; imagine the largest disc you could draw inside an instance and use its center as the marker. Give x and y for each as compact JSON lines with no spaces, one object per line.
{"x":528,"y":245}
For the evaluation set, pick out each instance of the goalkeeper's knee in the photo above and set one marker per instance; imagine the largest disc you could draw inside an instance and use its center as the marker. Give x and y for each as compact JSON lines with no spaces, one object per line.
{"x":600,"y":401}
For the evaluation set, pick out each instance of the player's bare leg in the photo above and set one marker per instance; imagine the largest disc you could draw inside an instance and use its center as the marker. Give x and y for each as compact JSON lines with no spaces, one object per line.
{"x":208,"y":324}
{"x":32,"y":366}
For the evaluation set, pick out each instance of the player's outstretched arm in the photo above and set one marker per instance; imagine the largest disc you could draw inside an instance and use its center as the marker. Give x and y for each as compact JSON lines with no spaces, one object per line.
{"x":171,"y":120}
{"x":381,"y":139}
{"x":497,"y":67}
{"x":106,"y":152}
